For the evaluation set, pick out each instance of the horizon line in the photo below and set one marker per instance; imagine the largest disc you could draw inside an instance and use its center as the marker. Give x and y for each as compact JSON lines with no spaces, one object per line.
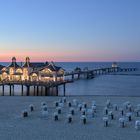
{"x":69,"y":61}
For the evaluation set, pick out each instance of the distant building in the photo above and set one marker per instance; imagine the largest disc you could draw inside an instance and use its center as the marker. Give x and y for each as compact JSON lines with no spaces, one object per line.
{"x":114,"y":65}
{"x":31,"y":71}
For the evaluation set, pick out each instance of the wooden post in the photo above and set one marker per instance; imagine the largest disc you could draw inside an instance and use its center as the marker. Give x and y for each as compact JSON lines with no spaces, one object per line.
{"x":34,"y":90}
{"x":13,"y":89}
{"x":28,"y":90}
{"x":56,"y":90}
{"x":37,"y":90}
{"x":41,"y":90}
{"x":3,"y":90}
{"x":79,"y":75}
{"x":64,"y":90}
{"x":72,"y":76}
{"x":51,"y":91}
{"x":103,"y":71}
{"x":46,"y":91}
{"x":10,"y":89}
{"x":22,"y":90}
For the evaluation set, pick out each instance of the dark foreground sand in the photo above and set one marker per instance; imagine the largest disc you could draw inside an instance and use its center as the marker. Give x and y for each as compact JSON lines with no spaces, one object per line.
{"x":36,"y":127}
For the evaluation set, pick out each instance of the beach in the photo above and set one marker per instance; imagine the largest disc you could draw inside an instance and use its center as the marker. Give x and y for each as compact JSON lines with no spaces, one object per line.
{"x":37,"y":127}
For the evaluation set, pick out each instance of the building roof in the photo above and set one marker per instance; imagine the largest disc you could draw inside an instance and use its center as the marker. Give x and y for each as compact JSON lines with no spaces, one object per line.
{"x":14,"y":64}
{"x":38,"y":65}
{"x":35,"y":64}
{"x":52,"y":67}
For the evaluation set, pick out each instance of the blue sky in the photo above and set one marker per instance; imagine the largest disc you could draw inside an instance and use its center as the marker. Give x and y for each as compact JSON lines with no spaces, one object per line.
{"x":70,"y":30}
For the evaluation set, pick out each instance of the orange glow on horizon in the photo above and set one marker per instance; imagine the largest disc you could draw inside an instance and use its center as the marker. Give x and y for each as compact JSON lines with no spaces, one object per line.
{"x":55,"y":59}
{"x":41,"y":52}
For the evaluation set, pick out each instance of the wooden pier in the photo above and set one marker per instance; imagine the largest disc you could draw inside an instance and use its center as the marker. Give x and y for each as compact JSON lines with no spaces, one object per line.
{"x":90,"y":74}
{"x":39,"y":87}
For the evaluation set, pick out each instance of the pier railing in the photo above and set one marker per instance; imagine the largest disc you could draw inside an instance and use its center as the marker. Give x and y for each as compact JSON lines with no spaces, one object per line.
{"x":89,"y":74}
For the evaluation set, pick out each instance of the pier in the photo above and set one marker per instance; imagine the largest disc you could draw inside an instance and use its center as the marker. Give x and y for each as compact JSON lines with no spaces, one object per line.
{"x":90,"y":74}
{"x":38,"y":87}
{"x":41,"y":88}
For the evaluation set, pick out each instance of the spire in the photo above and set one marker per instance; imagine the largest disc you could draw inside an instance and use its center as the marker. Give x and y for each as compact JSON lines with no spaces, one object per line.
{"x":13,"y":59}
{"x":14,"y":64}
{"x":27,"y":61}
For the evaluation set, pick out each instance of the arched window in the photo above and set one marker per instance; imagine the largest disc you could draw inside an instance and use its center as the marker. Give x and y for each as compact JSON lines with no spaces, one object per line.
{"x":4,"y":75}
{"x":25,"y":71}
{"x":11,"y":71}
{"x":19,"y":70}
{"x":46,"y":71}
{"x":34,"y":77}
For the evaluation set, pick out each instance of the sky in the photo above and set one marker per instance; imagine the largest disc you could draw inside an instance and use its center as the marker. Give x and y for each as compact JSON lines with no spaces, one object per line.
{"x":70,"y":30}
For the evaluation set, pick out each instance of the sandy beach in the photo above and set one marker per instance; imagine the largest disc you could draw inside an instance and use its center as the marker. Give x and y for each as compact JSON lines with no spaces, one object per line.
{"x":36,"y":127}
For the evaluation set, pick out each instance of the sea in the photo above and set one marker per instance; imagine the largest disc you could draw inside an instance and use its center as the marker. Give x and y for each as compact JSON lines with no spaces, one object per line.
{"x":116,"y":84}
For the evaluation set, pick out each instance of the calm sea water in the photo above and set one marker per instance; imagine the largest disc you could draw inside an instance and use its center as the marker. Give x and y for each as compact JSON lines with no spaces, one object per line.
{"x":125,"y":85}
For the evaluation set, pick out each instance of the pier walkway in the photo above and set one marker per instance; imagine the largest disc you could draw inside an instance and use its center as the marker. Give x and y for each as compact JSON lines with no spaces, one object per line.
{"x":45,"y":87}
{"x":89,"y":74}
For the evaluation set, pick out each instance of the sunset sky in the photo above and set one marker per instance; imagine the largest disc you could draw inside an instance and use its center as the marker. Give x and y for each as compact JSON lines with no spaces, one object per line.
{"x":70,"y":30}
